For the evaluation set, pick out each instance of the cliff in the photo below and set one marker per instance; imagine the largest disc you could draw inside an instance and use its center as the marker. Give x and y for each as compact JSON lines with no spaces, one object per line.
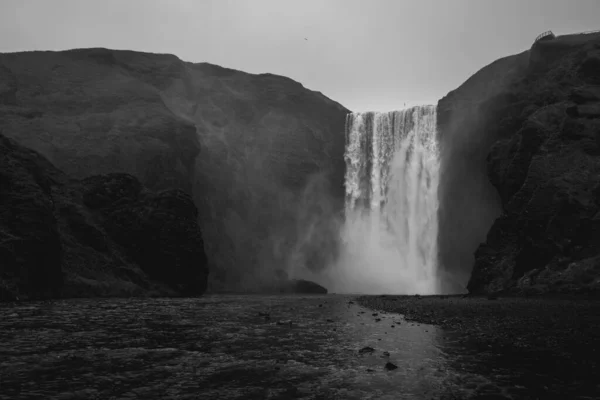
{"x":105,"y":235}
{"x":538,"y":138}
{"x":250,"y":149}
{"x":468,"y":118}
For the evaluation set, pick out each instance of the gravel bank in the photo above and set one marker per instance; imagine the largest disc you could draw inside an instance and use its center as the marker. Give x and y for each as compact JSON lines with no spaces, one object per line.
{"x":555,"y":337}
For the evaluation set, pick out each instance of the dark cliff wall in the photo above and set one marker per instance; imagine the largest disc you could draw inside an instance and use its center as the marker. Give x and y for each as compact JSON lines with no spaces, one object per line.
{"x":535,"y":160}
{"x":255,"y":151}
{"x":547,"y":172}
{"x":468,"y":120}
{"x":104,"y":236}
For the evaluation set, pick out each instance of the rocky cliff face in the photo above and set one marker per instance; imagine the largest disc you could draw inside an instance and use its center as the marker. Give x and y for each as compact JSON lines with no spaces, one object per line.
{"x":104,"y":236}
{"x":30,"y":248}
{"x":468,"y":124}
{"x":544,"y":126}
{"x":249,"y":148}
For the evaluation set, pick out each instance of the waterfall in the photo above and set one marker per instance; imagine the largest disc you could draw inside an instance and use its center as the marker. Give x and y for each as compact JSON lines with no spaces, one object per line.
{"x":390,"y":232}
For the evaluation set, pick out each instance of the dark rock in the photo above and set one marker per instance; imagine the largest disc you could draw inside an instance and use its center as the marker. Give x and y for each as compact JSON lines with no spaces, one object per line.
{"x":585,"y":94}
{"x":304,"y":286}
{"x":111,"y":190}
{"x":470,"y":119}
{"x":7,"y":294}
{"x":104,"y":236}
{"x":156,"y":230}
{"x":390,"y":367}
{"x":572,"y":111}
{"x":83,"y":229}
{"x":545,"y":171}
{"x":589,"y":70}
{"x":509,"y":159}
{"x":30,"y":244}
{"x":300,"y":286}
{"x":574,"y":129}
{"x":515,"y":106}
{"x":589,"y":110}
{"x":366,"y":350}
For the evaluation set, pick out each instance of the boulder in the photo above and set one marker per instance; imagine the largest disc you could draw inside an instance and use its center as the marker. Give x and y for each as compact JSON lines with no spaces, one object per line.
{"x":304,"y":286}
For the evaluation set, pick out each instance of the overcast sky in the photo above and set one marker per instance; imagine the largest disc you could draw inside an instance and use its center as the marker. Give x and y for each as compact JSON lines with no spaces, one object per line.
{"x":367,"y":54}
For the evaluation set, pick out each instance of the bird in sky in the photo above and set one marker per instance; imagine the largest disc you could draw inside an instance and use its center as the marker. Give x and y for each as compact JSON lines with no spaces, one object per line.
{"x":305,"y":39}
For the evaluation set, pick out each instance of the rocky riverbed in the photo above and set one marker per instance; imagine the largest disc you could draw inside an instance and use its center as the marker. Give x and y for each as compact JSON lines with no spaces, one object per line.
{"x":550,"y":345}
{"x":250,"y":347}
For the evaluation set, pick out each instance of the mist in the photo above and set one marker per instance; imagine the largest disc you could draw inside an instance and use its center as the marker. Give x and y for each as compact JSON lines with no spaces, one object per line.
{"x":468,"y":126}
{"x":318,"y":223}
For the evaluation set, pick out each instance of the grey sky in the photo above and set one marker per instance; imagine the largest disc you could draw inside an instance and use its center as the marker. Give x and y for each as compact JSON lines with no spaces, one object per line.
{"x":367,"y":54}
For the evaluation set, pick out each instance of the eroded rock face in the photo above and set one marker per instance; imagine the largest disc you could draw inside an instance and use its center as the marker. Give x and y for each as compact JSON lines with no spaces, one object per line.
{"x":469,"y":121}
{"x":104,"y":236}
{"x":547,"y":173}
{"x":247,"y":147}
{"x":159,"y":231}
{"x":30,"y":246}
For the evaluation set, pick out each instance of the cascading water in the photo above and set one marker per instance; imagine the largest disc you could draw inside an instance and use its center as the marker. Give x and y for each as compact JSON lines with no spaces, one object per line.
{"x":390,"y":231}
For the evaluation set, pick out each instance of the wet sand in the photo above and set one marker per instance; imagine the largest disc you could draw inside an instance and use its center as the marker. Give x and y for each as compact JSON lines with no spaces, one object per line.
{"x":553,"y":342}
